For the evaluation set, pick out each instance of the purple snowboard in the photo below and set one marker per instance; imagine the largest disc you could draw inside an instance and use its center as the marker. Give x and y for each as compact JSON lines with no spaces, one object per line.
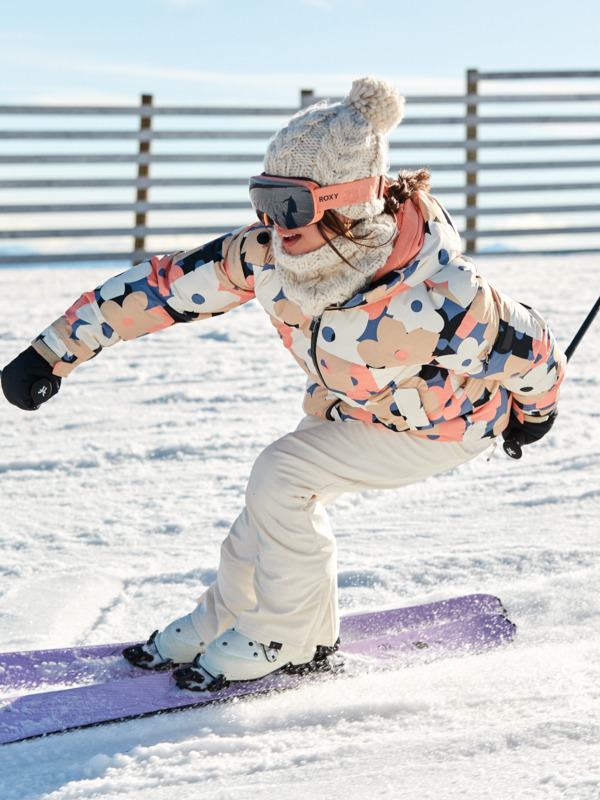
{"x":99,"y":663}
{"x":33,"y":715}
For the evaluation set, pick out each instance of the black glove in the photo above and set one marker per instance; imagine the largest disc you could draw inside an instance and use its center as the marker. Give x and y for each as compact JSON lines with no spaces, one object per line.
{"x":516,"y":434}
{"x":28,"y":381}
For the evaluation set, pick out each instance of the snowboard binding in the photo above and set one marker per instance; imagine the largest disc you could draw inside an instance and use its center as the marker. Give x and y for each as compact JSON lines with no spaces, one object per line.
{"x":146,"y":656}
{"x":324,"y":660}
{"x":195,"y":678}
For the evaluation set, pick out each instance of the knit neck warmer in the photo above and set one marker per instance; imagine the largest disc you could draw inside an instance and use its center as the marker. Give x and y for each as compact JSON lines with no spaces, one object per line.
{"x":316,"y":280}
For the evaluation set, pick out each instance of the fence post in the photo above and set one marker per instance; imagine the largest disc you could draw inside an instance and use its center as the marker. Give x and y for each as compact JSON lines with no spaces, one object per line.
{"x":471,"y":153}
{"x":143,"y":172}
{"x":307,"y":97}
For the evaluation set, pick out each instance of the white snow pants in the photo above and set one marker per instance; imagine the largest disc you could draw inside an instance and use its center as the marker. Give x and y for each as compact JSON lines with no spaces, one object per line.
{"x":277,"y":578}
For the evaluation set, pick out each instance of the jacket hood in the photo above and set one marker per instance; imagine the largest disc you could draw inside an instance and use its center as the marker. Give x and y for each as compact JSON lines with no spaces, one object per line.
{"x":427,"y":241}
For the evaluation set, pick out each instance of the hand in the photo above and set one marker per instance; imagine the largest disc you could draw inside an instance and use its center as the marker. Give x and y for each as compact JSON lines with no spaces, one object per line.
{"x":516,"y":434}
{"x":28,"y":381}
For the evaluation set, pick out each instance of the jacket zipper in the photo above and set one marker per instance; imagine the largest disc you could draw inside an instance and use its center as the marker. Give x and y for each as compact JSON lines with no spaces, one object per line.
{"x":315,"y":326}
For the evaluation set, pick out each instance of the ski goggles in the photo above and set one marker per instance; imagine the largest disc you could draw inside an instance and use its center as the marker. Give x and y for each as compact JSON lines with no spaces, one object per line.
{"x":295,"y":202}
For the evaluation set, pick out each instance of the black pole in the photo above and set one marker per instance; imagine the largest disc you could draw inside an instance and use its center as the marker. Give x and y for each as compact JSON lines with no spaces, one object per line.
{"x":513,"y":447}
{"x":583,"y":330}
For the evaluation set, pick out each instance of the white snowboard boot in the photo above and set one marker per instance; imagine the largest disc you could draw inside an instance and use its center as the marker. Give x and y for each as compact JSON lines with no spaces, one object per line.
{"x":234,"y":657}
{"x":178,"y":643}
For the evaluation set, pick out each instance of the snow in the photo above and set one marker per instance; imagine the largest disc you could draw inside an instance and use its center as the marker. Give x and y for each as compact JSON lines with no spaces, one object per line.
{"x":117,"y":494}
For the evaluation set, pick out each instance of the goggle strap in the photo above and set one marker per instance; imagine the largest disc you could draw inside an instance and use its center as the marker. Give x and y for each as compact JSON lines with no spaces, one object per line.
{"x":364,"y":190}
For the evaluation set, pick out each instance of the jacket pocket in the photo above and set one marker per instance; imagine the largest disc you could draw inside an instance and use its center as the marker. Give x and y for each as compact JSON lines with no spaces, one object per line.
{"x":408,"y":402}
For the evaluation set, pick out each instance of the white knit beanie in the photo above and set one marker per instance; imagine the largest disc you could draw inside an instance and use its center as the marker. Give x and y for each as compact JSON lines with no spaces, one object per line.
{"x":340,"y":142}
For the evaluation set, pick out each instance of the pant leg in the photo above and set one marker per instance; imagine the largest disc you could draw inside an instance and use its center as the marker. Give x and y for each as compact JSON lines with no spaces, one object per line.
{"x":233,"y":590}
{"x":295,"y":578}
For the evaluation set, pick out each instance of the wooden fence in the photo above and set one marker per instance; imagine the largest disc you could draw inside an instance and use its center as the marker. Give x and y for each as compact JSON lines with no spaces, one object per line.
{"x":522,"y":178}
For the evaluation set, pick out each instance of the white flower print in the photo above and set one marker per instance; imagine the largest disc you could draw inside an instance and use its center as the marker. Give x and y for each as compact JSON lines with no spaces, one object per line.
{"x":417,"y":309}
{"x":467,"y":359}
{"x":534,"y":382}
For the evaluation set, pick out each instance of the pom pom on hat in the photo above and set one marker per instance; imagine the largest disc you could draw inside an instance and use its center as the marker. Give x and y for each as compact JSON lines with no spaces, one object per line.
{"x":378,"y":101}
{"x":341,"y":142}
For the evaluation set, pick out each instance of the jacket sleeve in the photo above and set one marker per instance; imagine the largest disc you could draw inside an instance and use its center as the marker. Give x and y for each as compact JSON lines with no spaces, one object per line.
{"x":156,"y":294}
{"x":496,"y":339}
{"x":527,"y":360}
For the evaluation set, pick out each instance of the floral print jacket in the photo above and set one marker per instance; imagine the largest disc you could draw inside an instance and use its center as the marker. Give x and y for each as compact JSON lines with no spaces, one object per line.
{"x":428,"y":348}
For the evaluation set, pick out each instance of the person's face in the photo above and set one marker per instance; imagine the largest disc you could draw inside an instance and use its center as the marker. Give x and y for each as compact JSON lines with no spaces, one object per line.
{"x":298,"y":241}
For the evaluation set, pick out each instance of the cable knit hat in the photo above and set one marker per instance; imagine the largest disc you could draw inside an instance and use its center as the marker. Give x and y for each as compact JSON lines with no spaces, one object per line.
{"x":340,"y":142}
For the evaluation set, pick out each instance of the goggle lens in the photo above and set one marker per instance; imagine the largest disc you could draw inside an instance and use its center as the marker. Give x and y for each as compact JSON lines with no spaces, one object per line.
{"x":288,"y":206}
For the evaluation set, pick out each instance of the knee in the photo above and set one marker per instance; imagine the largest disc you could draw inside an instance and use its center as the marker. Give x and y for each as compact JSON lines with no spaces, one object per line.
{"x":275,"y":474}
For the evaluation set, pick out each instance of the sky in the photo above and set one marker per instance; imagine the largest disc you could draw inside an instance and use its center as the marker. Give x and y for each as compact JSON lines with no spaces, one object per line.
{"x":228,"y":51}
{"x":261,"y":52}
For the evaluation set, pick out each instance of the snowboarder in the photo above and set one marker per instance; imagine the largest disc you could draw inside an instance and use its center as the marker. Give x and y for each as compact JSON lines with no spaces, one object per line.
{"x":414,"y":365}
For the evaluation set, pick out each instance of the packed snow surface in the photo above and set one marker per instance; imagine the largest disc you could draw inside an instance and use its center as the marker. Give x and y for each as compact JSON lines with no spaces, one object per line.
{"x":117,"y":494}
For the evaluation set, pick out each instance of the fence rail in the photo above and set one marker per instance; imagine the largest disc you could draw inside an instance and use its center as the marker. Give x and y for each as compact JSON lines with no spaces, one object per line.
{"x":511,"y":175}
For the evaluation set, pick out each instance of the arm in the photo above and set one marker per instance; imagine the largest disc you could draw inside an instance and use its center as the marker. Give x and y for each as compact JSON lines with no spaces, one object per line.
{"x":494,"y":338}
{"x":478,"y":332}
{"x":148,"y":297}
